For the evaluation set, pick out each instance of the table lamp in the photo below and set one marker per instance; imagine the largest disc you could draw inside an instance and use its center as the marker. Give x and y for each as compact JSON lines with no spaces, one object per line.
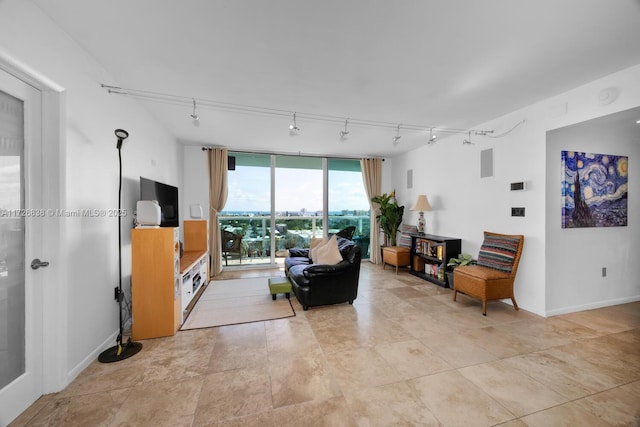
{"x":422,"y":205}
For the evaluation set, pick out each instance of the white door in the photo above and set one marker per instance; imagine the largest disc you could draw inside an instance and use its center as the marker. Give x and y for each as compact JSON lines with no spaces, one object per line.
{"x":21,"y":227}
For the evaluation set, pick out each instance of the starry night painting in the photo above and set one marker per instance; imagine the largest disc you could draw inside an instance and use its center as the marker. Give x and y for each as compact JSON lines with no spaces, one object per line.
{"x":594,"y":190}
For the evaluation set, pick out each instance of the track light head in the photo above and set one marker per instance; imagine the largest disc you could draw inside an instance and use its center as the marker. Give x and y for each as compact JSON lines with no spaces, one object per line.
{"x":345,"y":132}
{"x":293,"y":128}
{"x":467,"y":141}
{"x":397,"y":137}
{"x":432,"y":137}
{"x":194,"y":116}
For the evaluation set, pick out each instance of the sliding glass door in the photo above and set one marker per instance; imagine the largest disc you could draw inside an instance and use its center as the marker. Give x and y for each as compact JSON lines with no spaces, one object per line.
{"x":276,"y":202}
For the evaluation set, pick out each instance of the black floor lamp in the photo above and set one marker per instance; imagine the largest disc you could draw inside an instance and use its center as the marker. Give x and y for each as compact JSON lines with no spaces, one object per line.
{"x":120,"y":351}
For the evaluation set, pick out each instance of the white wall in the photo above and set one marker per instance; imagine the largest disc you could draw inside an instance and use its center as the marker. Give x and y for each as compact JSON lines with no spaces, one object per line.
{"x":196,"y":180}
{"x":87,"y":255}
{"x":574,"y":265}
{"x":465,"y":205}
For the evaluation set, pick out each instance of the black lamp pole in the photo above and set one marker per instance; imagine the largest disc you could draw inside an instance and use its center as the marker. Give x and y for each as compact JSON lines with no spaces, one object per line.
{"x":120,"y":351}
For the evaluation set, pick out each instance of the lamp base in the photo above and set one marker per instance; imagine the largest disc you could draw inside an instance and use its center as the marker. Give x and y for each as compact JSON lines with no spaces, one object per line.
{"x":125,"y":351}
{"x":421,"y":223}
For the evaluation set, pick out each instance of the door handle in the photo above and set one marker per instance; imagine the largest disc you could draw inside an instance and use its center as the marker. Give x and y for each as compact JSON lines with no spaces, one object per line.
{"x":36,"y":264}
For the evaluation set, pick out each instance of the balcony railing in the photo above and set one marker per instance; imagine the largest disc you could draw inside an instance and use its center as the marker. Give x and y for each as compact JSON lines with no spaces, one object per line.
{"x":290,"y":231}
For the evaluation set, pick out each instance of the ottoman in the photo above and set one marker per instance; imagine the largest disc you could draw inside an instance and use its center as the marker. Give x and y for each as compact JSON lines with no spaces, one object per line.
{"x":397,"y":256}
{"x":279,"y":285}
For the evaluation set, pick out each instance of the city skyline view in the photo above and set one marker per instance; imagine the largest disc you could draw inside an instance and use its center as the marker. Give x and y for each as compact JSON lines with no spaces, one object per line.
{"x":297,"y":190}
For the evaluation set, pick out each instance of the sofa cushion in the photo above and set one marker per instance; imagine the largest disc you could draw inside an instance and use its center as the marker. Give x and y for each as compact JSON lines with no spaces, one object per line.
{"x":498,"y":252}
{"x":291,"y":261}
{"x":328,"y":253}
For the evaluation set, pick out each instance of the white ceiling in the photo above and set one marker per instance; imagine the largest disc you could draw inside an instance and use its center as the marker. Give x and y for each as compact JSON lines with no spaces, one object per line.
{"x":442,"y":63}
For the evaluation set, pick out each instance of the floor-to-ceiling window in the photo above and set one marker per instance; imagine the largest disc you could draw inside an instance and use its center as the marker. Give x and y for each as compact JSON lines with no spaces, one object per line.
{"x":247,"y":213}
{"x":299,"y":201}
{"x":295,"y":201}
{"x":348,"y":203}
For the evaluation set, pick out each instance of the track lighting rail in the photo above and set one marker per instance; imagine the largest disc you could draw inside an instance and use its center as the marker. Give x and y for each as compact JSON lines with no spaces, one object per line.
{"x":276,"y":112}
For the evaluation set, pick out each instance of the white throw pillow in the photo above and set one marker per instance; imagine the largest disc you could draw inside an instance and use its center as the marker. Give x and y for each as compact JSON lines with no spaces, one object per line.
{"x":314,"y":245}
{"x":328,"y":253}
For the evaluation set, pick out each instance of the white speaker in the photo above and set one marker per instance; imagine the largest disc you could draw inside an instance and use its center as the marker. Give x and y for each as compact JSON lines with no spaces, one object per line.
{"x":148,"y":213}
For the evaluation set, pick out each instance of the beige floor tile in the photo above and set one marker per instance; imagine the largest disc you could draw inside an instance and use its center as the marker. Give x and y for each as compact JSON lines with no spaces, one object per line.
{"x":102,"y":377}
{"x":389,"y":405}
{"x":606,"y":355}
{"x":160,"y":403}
{"x":394,"y":357}
{"x":568,"y":379}
{"x":254,"y":420}
{"x":233,"y":394}
{"x":406,"y":292}
{"x":498,"y":342}
{"x":32,"y":411}
{"x":456,"y":401}
{"x":457,"y":350}
{"x":617,"y":406}
{"x":301,"y":380}
{"x":321,"y":413}
{"x":515,"y":390}
{"x":290,"y":338}
{"x":362,"y":367}
{"x":89,"y":409}
{"x":391,"y":305}
{"x":601,"y":320}
{"x":239,"y":346}
{"x":567,"y":415}
{"x":423,"y":325}
{"x":545,"y":333}
{"x":428,"y":304}
{"x":412,"y":359}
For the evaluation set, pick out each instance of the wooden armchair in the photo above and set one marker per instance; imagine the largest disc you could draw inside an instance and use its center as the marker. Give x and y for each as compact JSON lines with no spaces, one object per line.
{"x":231,"y":245}
{"x":493,"y":276}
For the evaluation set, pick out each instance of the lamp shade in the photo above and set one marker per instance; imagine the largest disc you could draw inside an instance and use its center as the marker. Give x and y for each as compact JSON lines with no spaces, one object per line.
{"x":422,"y":204}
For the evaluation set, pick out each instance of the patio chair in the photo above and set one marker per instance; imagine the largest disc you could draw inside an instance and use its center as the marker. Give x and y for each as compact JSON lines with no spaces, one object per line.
{"x":231,"y":245}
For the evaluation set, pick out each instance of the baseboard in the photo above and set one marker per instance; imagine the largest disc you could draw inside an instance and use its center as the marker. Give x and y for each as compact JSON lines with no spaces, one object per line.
{"x":84,"y":363}
{"x":591,"y":306}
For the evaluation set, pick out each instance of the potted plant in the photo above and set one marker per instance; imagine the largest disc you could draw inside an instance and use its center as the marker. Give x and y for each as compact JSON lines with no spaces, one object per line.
{"x":389,"y":216}
{"x":462,"y":259}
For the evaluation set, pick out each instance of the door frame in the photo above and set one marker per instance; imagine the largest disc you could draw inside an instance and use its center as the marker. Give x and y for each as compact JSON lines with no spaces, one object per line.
{"x":55,"y":338}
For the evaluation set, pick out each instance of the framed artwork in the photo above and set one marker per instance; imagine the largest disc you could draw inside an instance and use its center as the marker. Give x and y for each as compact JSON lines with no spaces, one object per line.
{"x":594,"y":190}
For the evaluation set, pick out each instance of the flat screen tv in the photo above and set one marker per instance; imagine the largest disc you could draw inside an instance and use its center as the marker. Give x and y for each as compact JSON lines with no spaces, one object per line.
{"x":167,"y":197}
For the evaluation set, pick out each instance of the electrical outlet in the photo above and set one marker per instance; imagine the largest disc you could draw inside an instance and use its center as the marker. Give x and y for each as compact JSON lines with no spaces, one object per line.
{"x":604,"y":271}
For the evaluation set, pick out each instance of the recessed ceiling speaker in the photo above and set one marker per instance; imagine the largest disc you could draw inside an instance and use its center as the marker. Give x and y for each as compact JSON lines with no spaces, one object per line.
{"x":608,"y":95}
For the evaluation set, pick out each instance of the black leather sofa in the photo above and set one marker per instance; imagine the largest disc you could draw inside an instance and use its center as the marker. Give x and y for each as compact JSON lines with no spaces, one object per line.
{"x":322,"y":284}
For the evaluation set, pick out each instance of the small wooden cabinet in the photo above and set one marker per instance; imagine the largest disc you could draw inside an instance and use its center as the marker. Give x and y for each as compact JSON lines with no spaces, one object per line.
{"x":155,"y":282}
{"x":430,"y":255}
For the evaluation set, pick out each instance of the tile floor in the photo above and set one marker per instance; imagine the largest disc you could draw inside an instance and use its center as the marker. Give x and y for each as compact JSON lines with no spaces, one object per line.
{"x":403,"y":354}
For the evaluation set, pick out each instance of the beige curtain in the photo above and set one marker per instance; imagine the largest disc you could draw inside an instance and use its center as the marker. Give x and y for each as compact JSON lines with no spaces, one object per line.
{"x":218,"y":162}
{"x":372,"y":178}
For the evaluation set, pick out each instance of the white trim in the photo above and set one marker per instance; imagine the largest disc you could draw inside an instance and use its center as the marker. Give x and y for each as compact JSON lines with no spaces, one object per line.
{"x":91,"y":357}
{"x":592,"y":305}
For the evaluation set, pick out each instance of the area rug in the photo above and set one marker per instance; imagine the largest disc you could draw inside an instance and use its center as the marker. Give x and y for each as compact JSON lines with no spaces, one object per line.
{"x":229,"y":302}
